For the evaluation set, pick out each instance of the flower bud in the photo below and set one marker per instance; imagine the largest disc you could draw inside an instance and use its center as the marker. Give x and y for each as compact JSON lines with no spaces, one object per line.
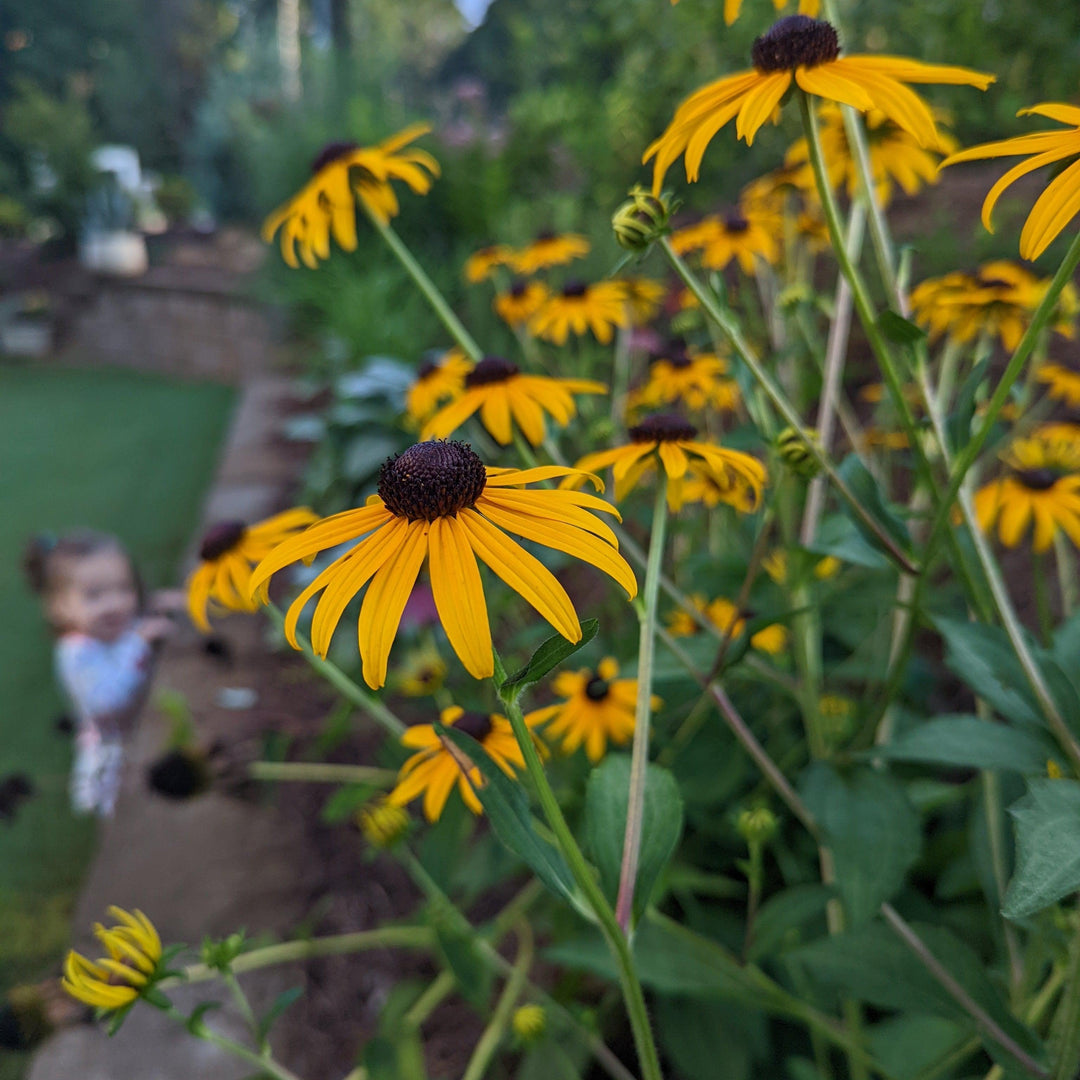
{"x":757,"y":826}
{"x":794,"y":451}
{"x":529,"y":1023}
{"x":837,"y":717}
{"x":382,"y":823}
{"x":641,"y":220}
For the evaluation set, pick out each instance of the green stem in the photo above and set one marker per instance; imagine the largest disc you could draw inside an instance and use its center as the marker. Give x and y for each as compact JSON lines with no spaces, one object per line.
{"x":639,"y":757}
{"x":428,"y":288}
{"x":321,"y":773}
{"x":633,"y":996}
{"x":995,"y":831}
{"x":265,"y":1066}
{"x":1067,"y":1018}
{"x":492,"y":1035}
{"x":780,"y":401}
{"x":241,"y":999}
{"x":983,"y":1020}
{"x":364,"y":701}
{"x":385,"y":937}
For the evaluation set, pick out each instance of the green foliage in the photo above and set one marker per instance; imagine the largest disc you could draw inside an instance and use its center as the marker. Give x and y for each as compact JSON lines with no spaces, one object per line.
{"x":1047,"y":847}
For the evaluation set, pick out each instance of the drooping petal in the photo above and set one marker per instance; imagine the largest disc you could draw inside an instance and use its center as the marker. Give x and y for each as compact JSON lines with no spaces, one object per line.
{"x":1052,"y":212}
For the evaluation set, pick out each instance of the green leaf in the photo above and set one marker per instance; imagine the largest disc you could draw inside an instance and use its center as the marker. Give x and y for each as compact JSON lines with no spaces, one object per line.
{"x":708,"y":1039}
{"x":670,"y":959}
{"x":907,"y":1045}
{"x":285,"y":1000}
{"x":872,"y":830}
{"x":899,"y":330}
{"x":984,"y":658}
{"x":968,"y":742}
{"x":550,"y":654}
{"x":606,"y":799}
{"x":873,"y":965}
{"x":866,"y":491}
{"x":457,"y":946}
{"x":839,"y":537}
{"x":507,"y":807}
{"x":782,"y":919}
{"x":1047,"y":847}
{"x":958,"y":426}
{"x":396,"y":1057}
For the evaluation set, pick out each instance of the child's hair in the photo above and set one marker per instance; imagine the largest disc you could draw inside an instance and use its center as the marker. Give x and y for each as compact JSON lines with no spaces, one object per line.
{"x":48,"y":556}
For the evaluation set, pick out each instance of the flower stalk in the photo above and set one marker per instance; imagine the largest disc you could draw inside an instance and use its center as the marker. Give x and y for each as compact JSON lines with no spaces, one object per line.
{"x":639,"y":757}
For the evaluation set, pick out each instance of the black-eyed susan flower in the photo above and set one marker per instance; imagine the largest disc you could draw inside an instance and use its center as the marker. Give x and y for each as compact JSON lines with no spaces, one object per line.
{"x":643,"y":297}
{"x":438,"y":504}
{"x":437,"y":381}
{"x":521,"y":301}
{"x":804,"y":52}
{"x":1062,"y":383}
{"x":579,"y":308}
{"x":480,"y":263}
{"x":114,"y":981}
{"x":673,"y":441}
{"x":896,"y":156}
{"x":549,"y":249}
{"x":704,"y":485}
{"x":598,"y":709}
{"x":727,"y":618}
{"x":694,"y":379}
{"x":997,"y":300}
{"x":745,"y":235}
{"x":503,"y":396}
{"x":422,"y":673}
{"x":438,"y":764}
{"x":227,"y":555}
{"x":1060,"y":202}
{"x":344,"y":172}
{"x":1041,"y":486}
{"x":775,"y":564}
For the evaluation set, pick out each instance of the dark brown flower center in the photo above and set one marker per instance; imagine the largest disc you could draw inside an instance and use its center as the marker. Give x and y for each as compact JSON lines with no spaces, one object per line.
{"x":332,"y":152}
{"x":545,"y":237}
{"x":432,"y":480}
{"x":663,"y":427}
{"x":793,"y":42}
{"x":220,"y":538}
{"x":736,"y":223}
{"x":517,"y":290}
{"x":491,"y":369}
{"x":1037,"y":479}
{"x":994,"y":283}
{"x":596,"y":689}
{"x":575,"y":289}
{"x":478,"y":725}
{"x":674,"y":353}
{"x":426,"y":370}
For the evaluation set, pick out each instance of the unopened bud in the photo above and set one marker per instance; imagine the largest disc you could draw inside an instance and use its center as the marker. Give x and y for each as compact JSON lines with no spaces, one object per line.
{"x":795,"y":452}
{"x":641,"y":220}
{"x":757,"y":826}
{"x":382,"y":823}
{"x":529,"y":1023}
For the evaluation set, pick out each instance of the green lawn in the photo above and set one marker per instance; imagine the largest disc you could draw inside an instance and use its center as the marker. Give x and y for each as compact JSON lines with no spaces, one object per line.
{"x":117,"y":451}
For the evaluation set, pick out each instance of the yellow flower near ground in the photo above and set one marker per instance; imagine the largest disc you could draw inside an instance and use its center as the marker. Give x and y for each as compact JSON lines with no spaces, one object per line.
{"x":803,"y":52}
{"x":521,"y":302}
{"x":344,"y":172}
{"x":726,"y":617}
{"x":503,"y":396}
{"x":438,"y":504}
{"x":116,"y":980}
{"x":1060,"y":201}
{"x":673,"y":441}
{"x":579,"y":308}
{"x":228,"y":553}
{"x":695,"y":379}
{"x":1063,"y":383}
{"x":480,"y":263}
{"x":437,"y":382}
{"x":1041,"y":487}
{"x":598,"y":708}
{"x":438,"y":764}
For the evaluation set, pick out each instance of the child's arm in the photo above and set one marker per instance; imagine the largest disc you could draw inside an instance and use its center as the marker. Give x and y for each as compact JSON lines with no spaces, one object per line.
{"x":107,"y":686}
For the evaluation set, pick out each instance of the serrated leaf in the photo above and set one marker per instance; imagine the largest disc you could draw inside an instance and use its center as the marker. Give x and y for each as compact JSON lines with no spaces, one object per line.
{"x":865,"y":488}
{"x":551,"y":653}
{"x":872,"y":830}
{"x":1047,"y":847}
{"x":969,"y":742}
{"x":606,"y":798}
{"x":507,"y":807}
{"x":899,"y":330}
{"x":285,"y":1000}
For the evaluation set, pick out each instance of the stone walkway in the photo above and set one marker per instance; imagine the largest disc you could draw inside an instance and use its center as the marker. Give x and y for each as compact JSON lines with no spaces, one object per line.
{"x":213,"y":864}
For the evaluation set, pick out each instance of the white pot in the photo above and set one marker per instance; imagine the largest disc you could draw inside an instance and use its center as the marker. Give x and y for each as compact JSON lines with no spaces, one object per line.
{"x":122,"y":254}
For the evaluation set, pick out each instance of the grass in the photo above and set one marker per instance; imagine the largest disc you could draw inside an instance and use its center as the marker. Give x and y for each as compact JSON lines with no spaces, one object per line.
{"x":122,"y":452}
